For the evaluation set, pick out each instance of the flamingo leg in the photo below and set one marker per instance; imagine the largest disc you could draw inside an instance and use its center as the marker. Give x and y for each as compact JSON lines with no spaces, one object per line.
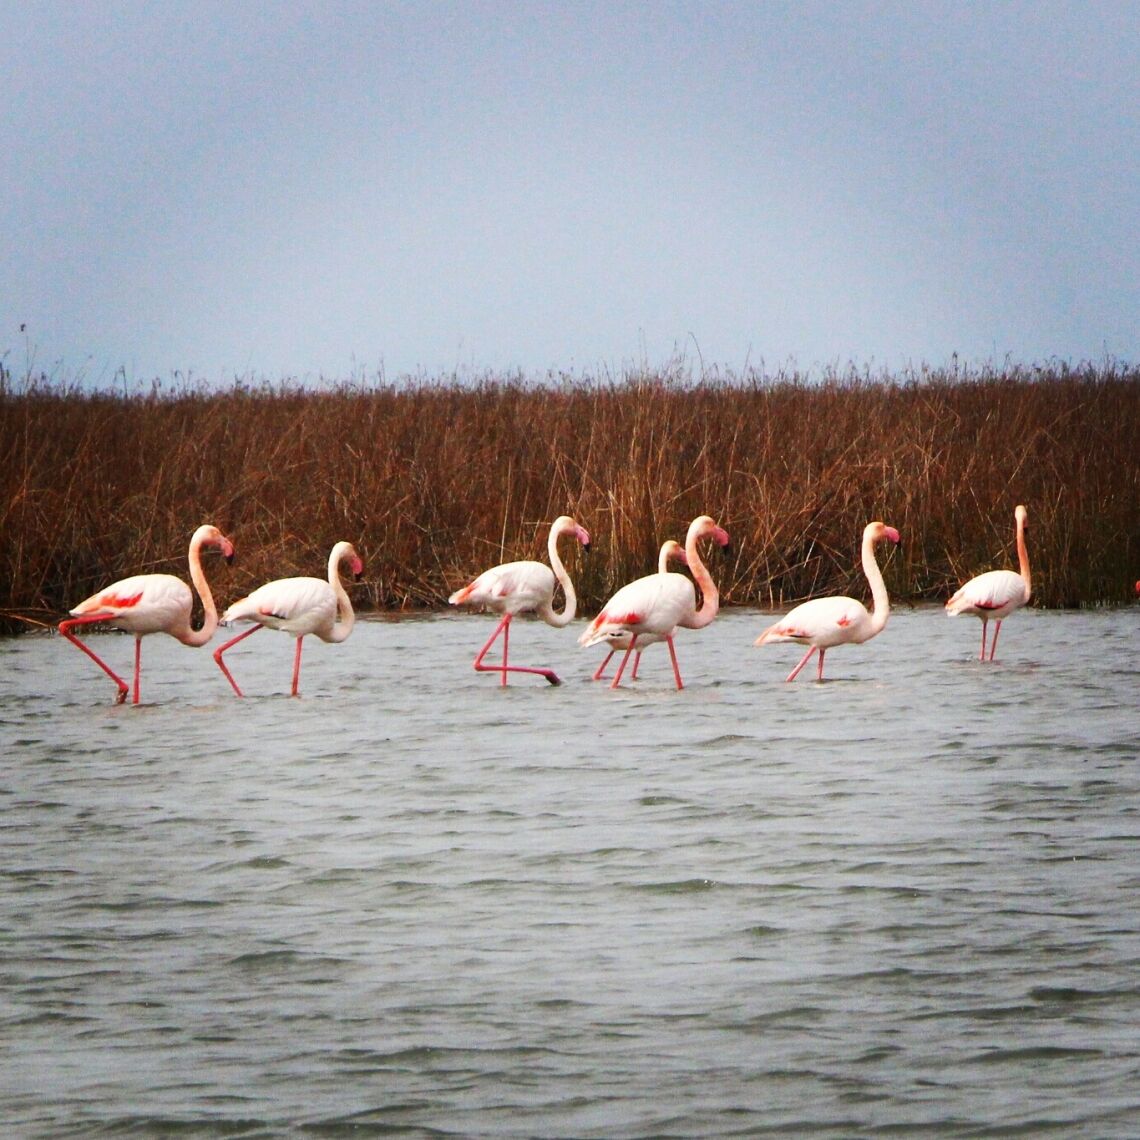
{"x":621,"y":667}
{"x":993,"y":644}
{"x":803,"y":661}
{"x":504,"y":668}
{"x":673,"y":657}
{"x":138,"y":667}
{"x":602,"y":667}
{"x":819,"y":672}
{"x":982,"y":655}
{"x":297,"y":666}
{"x":222,"y":648}
{"x":65,"y":629}
{"x":636,"y":665}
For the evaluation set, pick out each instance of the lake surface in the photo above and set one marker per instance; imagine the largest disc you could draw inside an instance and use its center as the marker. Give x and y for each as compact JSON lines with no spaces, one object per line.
{"x":905,"y":901}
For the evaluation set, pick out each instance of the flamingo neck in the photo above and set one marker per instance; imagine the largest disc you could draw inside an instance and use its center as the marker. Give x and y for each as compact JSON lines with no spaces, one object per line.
{"x":710,"y":596}
{"x":550,"y":615}
{"x":881,"y":603}
{"x":199,"y":637}
{"x":345,"y":617}
{"x":1023,"y":557}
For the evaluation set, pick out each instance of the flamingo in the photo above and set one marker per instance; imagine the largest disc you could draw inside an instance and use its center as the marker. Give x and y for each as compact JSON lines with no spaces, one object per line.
{"x":299,"y":606}
{"x":825,"y":622}
{"x":152,"y":603}
{"x":652,"y":607}
{"x":670,"y":549}
{"x":521,"y":587}
{"x":997,"y":593}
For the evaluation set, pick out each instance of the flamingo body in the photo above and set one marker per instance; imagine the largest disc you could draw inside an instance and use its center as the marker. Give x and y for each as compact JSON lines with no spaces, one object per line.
{"x":299,"y":607}
{"x":670,"y":550}
{"x":512,"y":588}
{"x":523,"y":587}
{"x":152,"y":603}
{"x":823,"y":623}
{"x":142,"y":604}
{"x":650,"y":609}
{"x":995,"y":594}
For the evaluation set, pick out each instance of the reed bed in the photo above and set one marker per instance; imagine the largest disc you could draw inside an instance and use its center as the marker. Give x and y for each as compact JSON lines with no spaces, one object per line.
{"x":434,"y":480}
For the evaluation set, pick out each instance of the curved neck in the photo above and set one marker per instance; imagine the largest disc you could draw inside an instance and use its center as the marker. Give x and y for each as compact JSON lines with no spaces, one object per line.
{"x":1023,"y":557}
{"x":346,"y":619}
{"x":570,"y":607}
{"x":199,"y":637}
{"x":710,"y":596}
{"x":881,"y":608}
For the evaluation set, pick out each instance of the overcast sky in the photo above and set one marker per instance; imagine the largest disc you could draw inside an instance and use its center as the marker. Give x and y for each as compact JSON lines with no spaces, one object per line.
{"x":337,"y":189}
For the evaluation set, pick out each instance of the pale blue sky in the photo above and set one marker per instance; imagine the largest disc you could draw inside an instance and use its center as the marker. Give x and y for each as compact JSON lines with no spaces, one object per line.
{"x":328,"y":190}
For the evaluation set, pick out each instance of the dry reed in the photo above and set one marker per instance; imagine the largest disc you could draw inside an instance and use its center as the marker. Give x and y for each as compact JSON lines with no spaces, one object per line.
{"x":434,"y":481}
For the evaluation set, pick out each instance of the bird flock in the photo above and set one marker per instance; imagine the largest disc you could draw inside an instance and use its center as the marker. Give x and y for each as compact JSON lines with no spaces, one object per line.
{"x":641,"y":613}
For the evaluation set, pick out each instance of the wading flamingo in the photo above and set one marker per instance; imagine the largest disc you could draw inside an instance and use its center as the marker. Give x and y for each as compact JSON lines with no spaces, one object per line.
{"x":152,"y":603}
{"x":825,"y":622}
{"x":652,"y":607}
{"x":299,"y":606}
{"x":671,"y":549}
{"x":520,"y":587}
{"x":997,"y":593}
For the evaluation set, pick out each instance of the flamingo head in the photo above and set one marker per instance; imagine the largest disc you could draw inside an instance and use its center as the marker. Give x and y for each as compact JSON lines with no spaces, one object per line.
{"x":210,"y":536}
{"x":564,"y":524}
{"x":704,"y":527}
{"x":877,"y":531}
{"x":346,"y":552}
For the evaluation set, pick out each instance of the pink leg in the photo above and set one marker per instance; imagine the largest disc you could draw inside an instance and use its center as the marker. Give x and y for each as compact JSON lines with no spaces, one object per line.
{"x":222,"y":648}
{"x":819,"y":672}
{"x":673,"y":657}
{"x":504,"y":668}
{"x":297,"y":666}
{"x":138,"y":667}
{"x":621,"y":668}
{"x":636,"y":665}
{"x":803,"y":661}
{"x":982,"y":655}
{"x":602,"y":667}
{"x":993,"y":644}
{"x":65,"y":629}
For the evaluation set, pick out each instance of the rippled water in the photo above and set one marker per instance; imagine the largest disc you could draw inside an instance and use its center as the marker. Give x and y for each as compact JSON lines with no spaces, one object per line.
{"x":410,"y":903}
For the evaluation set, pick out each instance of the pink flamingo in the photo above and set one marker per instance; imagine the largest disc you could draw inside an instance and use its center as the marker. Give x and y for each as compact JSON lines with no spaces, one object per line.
{"x":152,"y":603}
{"x":997,"y":593}
{"x":671,"y":549}
{"x":650,"y":608}
{"x":520,"y":587}
{"x":825,"y":622}
{"x":299,"y":606}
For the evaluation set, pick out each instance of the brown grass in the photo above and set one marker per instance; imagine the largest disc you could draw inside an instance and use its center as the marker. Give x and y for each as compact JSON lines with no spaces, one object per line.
{"x":434,"y":481}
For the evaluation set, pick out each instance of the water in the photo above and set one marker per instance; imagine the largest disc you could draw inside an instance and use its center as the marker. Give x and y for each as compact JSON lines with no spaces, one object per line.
{"x":906,"y":901}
